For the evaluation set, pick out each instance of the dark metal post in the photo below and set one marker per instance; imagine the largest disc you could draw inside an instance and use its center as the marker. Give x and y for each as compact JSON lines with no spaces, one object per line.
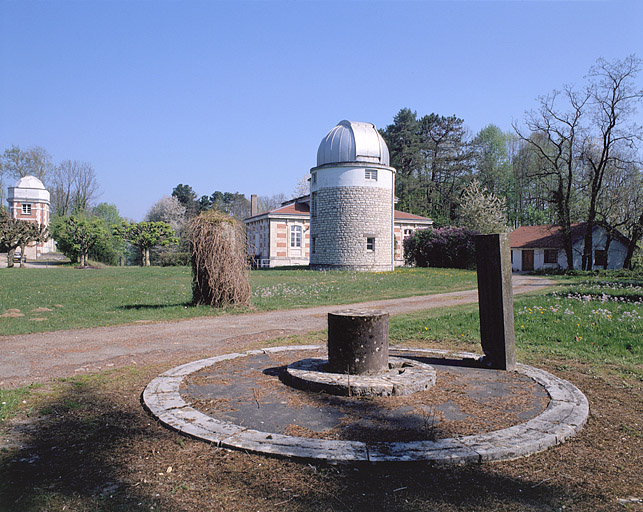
{"x":495,"y":303}
{"x":358,"y":341}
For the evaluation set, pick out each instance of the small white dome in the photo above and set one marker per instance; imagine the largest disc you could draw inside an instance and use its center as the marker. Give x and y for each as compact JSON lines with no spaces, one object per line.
{"x":30,"y":182}
{"x":353,"y":142}
{"x":28,"y":189}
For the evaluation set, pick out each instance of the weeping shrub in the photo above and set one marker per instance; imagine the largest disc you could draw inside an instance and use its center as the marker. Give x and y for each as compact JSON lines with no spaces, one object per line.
{"x":218,"y":257}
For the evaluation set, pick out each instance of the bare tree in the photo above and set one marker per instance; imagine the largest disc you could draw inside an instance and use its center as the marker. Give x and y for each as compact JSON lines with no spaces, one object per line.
{"x":613,"y":98}
{"x":553,"y":132}
{"x":73,"y":187}
{"x":34,"y":161}
{"x":579,"y":136}
{"x":302,"y":188}
{"x":267,"y":203}
{"x":16,"y":163}
{"x":620,"y":206}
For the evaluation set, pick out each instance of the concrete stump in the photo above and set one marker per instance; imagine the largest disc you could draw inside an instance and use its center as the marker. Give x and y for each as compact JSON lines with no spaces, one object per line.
{"x":495,"y":301}
{"x":358,"y":341}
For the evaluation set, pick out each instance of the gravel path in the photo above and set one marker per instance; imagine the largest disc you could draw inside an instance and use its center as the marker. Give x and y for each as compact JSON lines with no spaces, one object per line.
{"x":43,"y":356}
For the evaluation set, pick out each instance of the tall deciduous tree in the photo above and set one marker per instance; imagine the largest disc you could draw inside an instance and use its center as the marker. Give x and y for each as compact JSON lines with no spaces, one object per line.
{"x":491,"y":160}
{"x":302,"y":187}
{"x":554,"y":134}
{"x":112,"y":252}
{"x":16,"y":163}
{"x":34,"y":161}
{"x":620,"y":206}
{"x":267,"y":203}
{"x":73,"y":187}
{"x":145,"y":235}
{"x":578,"y":135}
{"x":614,"y":96}
{"x":170,"y":210}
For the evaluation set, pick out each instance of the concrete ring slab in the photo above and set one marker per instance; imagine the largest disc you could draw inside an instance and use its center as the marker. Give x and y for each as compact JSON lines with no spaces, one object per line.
{"x":564,"y":416}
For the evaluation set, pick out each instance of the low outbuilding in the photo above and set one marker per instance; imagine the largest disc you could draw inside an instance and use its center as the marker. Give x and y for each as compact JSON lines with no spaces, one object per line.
{"x":541,"y":247}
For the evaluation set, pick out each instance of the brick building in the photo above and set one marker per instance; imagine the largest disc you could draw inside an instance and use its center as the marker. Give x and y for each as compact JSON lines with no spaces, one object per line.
{"x":281,"y":237}
{"x":29,"y":200}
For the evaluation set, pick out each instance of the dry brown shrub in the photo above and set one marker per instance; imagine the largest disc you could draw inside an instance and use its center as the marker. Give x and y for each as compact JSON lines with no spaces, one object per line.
{"x":219,"y":263}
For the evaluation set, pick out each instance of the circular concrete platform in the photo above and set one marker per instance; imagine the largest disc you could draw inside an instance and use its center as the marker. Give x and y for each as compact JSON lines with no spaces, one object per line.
{"x":404,"y":377}
{"x":202,"y":399}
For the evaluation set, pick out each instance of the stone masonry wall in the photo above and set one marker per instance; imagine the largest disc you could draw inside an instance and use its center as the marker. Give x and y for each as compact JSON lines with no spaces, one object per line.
{"x":345,"y":218}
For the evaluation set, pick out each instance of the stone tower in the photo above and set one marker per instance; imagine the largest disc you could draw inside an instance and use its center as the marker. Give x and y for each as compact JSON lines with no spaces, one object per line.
{"x":351,"y":203}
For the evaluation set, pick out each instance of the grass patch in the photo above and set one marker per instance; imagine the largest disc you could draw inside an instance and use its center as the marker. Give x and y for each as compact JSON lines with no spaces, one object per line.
{"x":596,"y":321}
{"x":13,"y":400}
{"x":280,"y":289}
{"x":38,"y":300}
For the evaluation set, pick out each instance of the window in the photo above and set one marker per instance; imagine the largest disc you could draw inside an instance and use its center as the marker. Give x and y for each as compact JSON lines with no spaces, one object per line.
{"x":295,"y":236}
{"x":314,"y":178}
{"x":370,"y":244}
{"x":370,"y":174}
{"x":313,"y":243}
{"x":313,"y":205}
{"x":408,"y":233}
{"x":551,"y":255}
{"x":26,"y":208}
{"x":600,"y":257}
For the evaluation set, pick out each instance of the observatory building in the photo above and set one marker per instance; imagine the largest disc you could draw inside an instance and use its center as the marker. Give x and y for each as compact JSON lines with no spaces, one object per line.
{"x":29,"y":200}
{"x":351,"y":201}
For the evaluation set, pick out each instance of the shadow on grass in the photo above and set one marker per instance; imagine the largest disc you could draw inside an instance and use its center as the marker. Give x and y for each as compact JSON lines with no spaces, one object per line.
{"x":143,"y":307}
{"x":94,"y":452}
{"x":71,"y":458}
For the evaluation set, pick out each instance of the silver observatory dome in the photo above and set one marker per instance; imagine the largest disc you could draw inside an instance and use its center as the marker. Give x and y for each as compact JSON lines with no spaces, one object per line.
{"x":353,"y":142}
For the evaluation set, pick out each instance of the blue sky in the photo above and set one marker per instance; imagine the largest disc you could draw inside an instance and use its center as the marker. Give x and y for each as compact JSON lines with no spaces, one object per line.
{"x":236,"y":96}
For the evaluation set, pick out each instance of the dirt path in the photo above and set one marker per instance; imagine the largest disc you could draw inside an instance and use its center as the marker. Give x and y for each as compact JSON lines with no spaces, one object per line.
{"x":43,"y":356}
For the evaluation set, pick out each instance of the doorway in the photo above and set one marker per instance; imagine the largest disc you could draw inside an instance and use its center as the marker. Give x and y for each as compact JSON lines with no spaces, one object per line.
{"x":527,"y":260}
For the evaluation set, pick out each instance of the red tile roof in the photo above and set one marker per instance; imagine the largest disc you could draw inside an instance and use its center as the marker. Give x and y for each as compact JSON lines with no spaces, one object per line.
{"x":407,"y":216}
{"x":292,"y":209}
{"x":548,"y":236}
{"x":304,"y":209}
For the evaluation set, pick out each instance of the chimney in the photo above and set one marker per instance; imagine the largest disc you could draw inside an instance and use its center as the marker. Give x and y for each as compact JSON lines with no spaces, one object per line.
{"x":253,"y":205}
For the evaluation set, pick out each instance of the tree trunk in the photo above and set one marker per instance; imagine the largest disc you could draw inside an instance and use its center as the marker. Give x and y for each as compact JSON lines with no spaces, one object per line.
{"x":145,"y":254}
{"x":10,"y":257}
{"x":23,"y":255}
{"x":588,"y":242}
{"x":608,"y":241}
{"x":566,"y":231}
{"x":637,"y":232}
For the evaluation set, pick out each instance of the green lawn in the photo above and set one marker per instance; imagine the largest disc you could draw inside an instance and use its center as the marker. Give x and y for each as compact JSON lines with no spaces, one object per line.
{"x":598,"y":321}
{"x":37,"y":300}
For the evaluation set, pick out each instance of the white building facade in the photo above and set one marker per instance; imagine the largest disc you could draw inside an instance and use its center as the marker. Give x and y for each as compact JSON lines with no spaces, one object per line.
{"x":541,"y":247}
